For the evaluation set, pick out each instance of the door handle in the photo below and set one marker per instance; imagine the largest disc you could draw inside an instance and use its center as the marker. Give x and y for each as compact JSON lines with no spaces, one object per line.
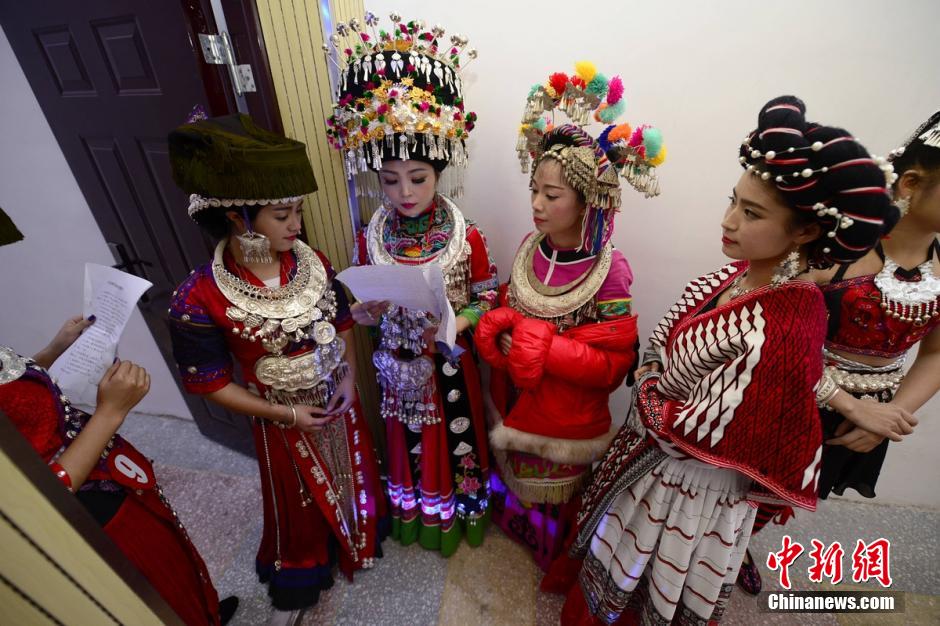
{"x":127,"y":264}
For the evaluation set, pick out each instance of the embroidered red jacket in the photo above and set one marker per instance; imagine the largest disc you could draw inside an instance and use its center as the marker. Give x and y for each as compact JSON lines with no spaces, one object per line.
{"x":737,"y":388}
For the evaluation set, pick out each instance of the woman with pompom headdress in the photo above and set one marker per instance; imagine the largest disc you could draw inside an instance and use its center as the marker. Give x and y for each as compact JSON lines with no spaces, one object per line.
{"x":564,"y":338}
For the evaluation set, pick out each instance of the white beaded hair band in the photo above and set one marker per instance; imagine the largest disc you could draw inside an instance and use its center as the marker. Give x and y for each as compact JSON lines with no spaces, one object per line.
{"x":198,"y":203}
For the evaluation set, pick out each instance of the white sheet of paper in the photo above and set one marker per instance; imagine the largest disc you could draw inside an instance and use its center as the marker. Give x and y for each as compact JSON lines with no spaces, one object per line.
{"x":110,"y":295}
{"x":415,"y":287}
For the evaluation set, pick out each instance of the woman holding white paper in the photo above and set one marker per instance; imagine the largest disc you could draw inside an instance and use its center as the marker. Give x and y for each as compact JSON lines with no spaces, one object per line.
{"x":407,"y":124}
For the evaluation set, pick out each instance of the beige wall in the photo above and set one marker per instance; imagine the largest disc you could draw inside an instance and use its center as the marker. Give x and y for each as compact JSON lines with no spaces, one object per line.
{"x":700,"y":71}
{"x":293,"y":32}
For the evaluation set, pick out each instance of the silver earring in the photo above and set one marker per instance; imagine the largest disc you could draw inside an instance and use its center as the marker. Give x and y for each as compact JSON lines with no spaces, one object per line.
{"x":256,"y":248}
{"x":787,"y":269}
{"x":904,"y":205}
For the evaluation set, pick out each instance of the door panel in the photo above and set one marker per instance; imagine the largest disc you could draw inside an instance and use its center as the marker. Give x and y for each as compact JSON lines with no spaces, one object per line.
{"x":113,"y":78}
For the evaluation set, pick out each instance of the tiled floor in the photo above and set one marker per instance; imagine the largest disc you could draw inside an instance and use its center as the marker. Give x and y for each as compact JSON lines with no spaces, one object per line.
{"x":217,"y":495}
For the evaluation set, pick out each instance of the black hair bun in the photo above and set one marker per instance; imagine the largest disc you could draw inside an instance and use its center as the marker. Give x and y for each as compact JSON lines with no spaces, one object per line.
{"x":825,"y":172}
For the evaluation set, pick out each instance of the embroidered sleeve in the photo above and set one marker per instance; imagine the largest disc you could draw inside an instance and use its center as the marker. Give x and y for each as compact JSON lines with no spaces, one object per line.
{"x":483,"y":280}
{"x":613,"y":298}
{"x":343,"y":320}
{"x":199,"y":347}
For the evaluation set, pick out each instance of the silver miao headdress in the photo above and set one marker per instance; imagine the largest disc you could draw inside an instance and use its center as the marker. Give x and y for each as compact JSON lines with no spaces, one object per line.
{"x":399,"y":94}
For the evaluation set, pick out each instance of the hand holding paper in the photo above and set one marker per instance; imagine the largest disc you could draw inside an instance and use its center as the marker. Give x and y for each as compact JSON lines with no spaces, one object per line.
{"x":414,"y":287}
{"x":110,"y":295}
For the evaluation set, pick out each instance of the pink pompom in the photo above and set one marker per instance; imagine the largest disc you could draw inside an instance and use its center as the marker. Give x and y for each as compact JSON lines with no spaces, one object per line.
{"x":424,"y":106}
{"x":614,"y":90}
{"x":382,"y":109}
{"x":636,"y":139}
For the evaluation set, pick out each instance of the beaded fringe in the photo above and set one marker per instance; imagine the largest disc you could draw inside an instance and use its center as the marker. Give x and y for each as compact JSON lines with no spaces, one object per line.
{"x":545,"y":490}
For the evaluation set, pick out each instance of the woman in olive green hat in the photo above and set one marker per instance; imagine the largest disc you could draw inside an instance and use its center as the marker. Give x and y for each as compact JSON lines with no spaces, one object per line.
{"x":268,"y":301}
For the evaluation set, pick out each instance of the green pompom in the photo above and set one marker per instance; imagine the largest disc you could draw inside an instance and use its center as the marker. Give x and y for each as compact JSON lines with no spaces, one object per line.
{"x":598,"y":86}
{"x":652,"y":141}
{"x":612,"y":112}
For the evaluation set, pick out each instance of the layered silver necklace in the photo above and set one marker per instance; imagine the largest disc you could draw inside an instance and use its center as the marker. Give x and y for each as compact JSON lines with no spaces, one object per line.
{"x":909,"y":300}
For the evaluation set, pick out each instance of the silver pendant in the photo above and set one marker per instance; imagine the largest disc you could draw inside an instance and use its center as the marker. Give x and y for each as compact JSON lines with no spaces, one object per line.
{"x":324,"y":332}
{"x":463,"y":449}
{"x":12,"y":365}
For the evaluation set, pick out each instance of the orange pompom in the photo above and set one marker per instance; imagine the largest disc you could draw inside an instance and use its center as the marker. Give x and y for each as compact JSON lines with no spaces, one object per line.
{"x":620,"y":132}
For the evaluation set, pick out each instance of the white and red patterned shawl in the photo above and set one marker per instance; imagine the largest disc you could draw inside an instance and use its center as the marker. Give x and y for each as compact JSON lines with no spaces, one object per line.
{"x":737,"y":388}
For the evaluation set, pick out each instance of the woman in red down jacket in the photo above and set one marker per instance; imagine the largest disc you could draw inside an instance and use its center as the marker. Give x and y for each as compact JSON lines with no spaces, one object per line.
{"x":561,"y":342}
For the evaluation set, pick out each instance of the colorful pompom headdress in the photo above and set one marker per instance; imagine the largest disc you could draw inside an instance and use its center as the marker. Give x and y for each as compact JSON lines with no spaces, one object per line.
{"x":591,"y":166}
{"x":399,"y":96}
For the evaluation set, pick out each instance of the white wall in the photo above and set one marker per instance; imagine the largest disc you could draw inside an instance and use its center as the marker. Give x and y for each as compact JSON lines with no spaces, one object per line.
{"x":700,"y":71}
{"x":42,"y":277}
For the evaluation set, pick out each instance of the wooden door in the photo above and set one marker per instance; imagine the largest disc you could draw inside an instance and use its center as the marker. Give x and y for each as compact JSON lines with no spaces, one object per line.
{"x":113,"y":77}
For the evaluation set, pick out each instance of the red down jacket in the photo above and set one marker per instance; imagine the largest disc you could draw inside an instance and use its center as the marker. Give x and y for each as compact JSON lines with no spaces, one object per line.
{"x":563,"y":380}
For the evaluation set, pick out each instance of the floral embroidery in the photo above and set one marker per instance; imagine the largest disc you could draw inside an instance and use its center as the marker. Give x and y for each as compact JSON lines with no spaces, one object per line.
{"x":468,"y":486}
{"x":466,"y":483}
{"x":417,"y":237}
